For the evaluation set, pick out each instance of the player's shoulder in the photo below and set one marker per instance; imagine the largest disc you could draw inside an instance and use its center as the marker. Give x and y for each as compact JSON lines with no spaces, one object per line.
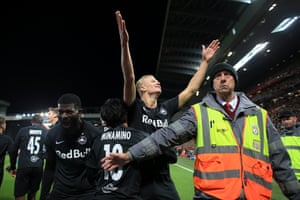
{"x":54,"y":132}
{"x":92,"y":130}
{"x":6,"y":137}
{"x":138,"y":133}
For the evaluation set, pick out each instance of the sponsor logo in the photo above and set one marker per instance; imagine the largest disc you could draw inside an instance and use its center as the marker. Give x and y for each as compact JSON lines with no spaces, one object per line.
{"x":109,"y":188}
{"x":73,"y":153}
{"x":59,"y":142}
{"x":158,"y":123}
{"x":34,"y":158}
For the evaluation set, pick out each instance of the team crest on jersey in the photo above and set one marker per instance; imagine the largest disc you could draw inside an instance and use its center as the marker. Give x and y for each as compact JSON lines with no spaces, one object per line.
{"x":82,"y":140}
{"x":255,"y":130}
{"x":163,"y":111}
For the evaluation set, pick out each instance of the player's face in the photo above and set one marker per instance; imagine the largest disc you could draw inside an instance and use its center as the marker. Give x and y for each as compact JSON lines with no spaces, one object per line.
{"x":51,"y":116}
{"x":151,"y":85}
{"x":69,"y":115}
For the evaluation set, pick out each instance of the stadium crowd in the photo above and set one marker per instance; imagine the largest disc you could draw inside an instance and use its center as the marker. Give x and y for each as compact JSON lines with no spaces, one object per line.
{"x":280,"y":92}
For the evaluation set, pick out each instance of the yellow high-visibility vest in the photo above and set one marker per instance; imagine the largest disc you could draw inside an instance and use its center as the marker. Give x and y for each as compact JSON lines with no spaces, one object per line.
{"x":292,"y":145}
{"x":222,"y":166}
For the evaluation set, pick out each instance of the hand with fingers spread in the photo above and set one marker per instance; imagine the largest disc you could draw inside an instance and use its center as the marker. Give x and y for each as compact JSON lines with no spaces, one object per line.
{"x":209,"y":51}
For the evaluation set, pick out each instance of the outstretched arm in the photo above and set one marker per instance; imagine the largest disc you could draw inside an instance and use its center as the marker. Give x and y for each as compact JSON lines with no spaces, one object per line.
{"x":129,"y":89}
{"x":179,"y":132}
{"x":196,"y":81}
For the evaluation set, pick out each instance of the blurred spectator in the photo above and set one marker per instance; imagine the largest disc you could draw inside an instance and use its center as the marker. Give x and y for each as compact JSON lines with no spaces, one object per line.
{"x":281,"y":91}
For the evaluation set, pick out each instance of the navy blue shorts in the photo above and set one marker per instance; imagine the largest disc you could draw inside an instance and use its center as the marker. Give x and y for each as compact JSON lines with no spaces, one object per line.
{"x":28,"y":180}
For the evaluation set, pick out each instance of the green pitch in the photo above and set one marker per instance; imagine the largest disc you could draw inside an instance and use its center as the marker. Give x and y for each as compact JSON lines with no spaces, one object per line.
{"x":182,"y":173}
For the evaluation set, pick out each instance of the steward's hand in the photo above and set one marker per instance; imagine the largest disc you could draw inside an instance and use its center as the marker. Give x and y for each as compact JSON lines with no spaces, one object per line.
{"x":115,"y":160}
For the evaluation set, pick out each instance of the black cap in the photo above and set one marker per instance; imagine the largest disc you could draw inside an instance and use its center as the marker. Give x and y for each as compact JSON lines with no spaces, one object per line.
{"x":224,"y":66}
{"x":287,"y":114}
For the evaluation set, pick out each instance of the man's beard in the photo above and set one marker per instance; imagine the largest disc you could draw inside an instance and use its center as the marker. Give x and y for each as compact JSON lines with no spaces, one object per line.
{"x":72,"y":129}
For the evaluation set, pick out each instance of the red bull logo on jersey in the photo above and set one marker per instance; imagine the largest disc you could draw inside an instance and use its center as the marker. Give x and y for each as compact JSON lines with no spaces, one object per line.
{"x":158,"y":123}
{"x":73,"y":153}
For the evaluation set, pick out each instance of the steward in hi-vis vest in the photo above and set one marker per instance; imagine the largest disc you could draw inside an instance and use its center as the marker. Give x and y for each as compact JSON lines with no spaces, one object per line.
{"x":290,"y":136}
{"x":292,"y":144}
{"x":238,"y":149}
{"x":223,"y":168}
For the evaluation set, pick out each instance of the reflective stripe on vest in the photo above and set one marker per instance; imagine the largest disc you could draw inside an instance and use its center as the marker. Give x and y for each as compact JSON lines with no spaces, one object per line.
{"x":222,"y":168}
{"x":292,"y":144}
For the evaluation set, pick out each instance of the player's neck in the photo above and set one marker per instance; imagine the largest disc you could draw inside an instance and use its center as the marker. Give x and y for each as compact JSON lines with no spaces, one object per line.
{"x":150,"y":101}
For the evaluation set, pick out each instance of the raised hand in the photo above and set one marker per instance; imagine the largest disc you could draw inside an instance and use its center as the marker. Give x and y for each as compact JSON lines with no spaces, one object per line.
{"x":209,"y":52}
{"x":124,"y":37}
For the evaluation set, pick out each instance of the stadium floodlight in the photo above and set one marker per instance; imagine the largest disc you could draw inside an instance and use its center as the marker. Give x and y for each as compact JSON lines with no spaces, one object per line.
{"x":287,"y":22}
{"x":259,"y":47}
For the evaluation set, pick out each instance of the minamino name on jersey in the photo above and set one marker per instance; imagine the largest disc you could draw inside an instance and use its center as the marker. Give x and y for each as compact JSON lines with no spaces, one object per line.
{"x":116,"y":135}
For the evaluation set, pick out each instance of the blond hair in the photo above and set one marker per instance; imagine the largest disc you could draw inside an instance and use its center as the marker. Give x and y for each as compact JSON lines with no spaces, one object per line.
{"x":139,"y":83}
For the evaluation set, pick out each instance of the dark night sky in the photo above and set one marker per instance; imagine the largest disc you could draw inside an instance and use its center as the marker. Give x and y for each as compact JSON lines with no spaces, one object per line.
{"x":48,"y":48}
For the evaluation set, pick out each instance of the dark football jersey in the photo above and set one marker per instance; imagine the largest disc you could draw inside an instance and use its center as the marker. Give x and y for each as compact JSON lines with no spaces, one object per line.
{"x":123,"y":182}
{"x":149,"y":120}
{"x":156,"y":179}
{"x":67,"y":160}
{"x":29,"y":146}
